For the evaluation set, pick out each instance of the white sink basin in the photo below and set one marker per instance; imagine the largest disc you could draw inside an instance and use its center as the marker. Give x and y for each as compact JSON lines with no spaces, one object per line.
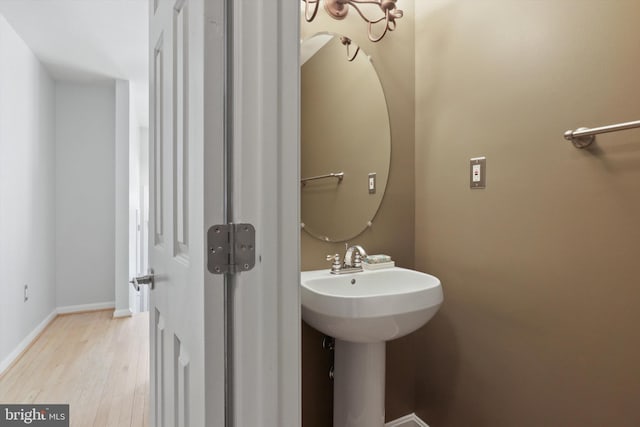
{"x":363,"y":311}
{"x":370,"y":306}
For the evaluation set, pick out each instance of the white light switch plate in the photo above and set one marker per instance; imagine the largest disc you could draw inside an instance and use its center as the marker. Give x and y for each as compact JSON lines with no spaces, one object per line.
{"x":478,"y":172}
{"x":372,"y":183}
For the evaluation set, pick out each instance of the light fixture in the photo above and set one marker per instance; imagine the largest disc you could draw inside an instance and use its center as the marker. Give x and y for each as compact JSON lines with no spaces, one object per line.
{"x":338,"y":9}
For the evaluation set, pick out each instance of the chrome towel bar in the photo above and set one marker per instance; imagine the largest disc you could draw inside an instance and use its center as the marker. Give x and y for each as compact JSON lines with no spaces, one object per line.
{"x":583,"y":137}
{"x":339,"y":175}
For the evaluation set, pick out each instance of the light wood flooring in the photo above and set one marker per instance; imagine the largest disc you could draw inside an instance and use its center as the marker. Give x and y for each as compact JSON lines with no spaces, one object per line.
{"x":97,"y":364}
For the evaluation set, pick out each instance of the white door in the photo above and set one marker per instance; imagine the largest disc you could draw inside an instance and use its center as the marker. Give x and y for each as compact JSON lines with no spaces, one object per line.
{"x":187,"y":303}
{"x":225,"y":349}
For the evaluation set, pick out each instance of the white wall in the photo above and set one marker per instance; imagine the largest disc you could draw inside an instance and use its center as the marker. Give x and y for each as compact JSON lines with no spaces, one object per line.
{"x":27,"y":206}
{"x":123,"y":112}
{"x":85,"y":193}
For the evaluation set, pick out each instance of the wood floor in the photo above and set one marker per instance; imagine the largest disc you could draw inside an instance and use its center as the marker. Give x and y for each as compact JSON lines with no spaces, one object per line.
{"x":97,"y":364}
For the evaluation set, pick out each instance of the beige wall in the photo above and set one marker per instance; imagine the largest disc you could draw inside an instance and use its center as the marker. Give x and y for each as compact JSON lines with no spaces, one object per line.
{"x":541,"y":269}
{"x":393,"y":227}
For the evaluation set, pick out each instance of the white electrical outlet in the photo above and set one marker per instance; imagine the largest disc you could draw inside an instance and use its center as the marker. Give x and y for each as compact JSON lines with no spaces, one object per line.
{"x":26,"y":293}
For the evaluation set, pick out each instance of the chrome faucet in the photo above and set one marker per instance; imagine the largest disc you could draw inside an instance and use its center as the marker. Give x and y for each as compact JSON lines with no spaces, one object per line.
{"x":352,"y":262}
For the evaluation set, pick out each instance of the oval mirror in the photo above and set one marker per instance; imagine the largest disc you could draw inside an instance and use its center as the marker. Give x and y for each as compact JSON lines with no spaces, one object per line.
{"x":345,"y":139}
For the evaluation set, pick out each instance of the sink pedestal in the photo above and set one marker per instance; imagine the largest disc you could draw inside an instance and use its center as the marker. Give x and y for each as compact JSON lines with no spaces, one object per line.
{"x":358,"y":385}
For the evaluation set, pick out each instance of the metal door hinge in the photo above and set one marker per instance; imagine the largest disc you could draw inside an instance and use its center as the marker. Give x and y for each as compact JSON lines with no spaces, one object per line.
{"x":231,"y":248}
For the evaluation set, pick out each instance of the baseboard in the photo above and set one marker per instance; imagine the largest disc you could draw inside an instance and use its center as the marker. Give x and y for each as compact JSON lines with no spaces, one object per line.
{"x":86,"y":307}
{"x":410,"y":420}
{"x":122,"y":313}
{"x":26,"y":343}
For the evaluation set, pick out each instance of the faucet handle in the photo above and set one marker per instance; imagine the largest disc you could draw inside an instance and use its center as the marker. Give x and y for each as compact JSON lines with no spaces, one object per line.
{"x":336,"y":266}
{"x":357,"y":262}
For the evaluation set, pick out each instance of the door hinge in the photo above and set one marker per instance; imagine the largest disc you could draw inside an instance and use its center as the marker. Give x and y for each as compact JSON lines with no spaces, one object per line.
{"x":231,"y":248}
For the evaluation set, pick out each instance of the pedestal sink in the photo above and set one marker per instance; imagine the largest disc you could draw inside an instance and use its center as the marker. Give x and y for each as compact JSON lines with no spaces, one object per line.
{"x":362,"y":311}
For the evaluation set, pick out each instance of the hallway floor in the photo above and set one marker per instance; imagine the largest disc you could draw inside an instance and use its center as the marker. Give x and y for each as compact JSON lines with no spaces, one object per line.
{"x":97,"y":364}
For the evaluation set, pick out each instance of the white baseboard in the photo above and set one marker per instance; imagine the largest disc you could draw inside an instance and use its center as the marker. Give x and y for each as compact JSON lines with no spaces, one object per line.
{"x":122,"y":313}
{"x":410,"y":420}
{"x":86,"y":307}
{"x":26,"y":342}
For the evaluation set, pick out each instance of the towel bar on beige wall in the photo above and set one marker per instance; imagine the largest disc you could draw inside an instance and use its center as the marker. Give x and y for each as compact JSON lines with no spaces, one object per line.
{"x":583,"y":137}
{"x":339,"y":175}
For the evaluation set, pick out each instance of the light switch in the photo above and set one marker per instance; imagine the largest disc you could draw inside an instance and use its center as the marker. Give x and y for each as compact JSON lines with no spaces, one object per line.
{"x":478,"y":172}
{"x":372,"y":183}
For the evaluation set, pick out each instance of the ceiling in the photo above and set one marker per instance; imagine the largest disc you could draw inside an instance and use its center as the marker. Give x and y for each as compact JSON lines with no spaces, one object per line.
{"x":88,"y":40}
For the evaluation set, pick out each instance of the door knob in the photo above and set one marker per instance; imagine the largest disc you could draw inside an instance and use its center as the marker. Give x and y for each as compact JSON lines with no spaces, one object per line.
{"x":147,"y":279}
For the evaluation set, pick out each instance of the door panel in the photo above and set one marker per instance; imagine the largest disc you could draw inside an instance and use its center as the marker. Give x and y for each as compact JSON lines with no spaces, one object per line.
{"x":157,"y":134}
{"x":181,"y":134}
{"x":158,"y":369}
{"x":183,"y":387}
{"x":181,"y":370}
